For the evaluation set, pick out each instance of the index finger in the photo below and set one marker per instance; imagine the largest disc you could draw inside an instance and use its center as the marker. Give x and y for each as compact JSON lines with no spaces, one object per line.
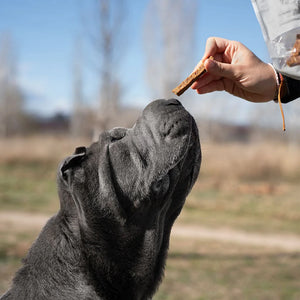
{"x":214,"y":45}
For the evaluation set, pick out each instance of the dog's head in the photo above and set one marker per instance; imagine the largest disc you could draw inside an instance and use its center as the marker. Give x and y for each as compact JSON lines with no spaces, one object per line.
{"x":134,"y":176}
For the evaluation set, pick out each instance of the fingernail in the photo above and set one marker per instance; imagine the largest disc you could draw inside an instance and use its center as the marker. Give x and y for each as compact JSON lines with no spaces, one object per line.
{"x":209,"y":63}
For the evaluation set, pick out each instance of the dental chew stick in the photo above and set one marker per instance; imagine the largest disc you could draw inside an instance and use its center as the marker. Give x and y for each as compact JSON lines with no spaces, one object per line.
{"x":185,"y":84}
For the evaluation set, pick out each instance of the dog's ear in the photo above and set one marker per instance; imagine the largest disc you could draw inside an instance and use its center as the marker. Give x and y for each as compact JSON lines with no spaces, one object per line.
{"x":72,"y":161}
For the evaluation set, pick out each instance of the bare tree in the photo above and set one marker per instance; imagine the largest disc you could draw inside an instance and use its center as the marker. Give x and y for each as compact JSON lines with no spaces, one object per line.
{"x":107,"y":38}
{"x":11,"y":99}
{"x":77,"y":120}
{"x":168,"y":37}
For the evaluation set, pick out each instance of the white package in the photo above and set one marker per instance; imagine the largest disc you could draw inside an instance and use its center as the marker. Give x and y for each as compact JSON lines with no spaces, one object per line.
{"x":280,"y":24}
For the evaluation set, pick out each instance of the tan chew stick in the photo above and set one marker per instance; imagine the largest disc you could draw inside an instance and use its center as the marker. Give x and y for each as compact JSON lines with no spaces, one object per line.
{"x":185,"y":84}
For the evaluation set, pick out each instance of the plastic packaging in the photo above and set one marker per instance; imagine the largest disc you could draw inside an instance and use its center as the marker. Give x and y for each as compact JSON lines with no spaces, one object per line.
{"x":280,"y":24}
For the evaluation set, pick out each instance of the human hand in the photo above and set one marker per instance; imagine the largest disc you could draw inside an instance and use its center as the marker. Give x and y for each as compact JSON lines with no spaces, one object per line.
{"x":236,"y":70}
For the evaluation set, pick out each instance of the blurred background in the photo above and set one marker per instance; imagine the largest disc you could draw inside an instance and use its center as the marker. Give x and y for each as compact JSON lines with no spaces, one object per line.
{"x":71,"y":69}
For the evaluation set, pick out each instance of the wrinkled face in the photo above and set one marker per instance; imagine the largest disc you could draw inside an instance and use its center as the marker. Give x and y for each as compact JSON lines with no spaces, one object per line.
{"x":134,"y":174}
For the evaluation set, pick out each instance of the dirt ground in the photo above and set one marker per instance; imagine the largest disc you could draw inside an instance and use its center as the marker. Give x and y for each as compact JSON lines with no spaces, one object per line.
{"x":21,"y":221}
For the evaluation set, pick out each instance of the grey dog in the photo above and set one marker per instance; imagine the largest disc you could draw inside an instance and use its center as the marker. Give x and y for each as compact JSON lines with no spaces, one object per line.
{"x":118,"y":201}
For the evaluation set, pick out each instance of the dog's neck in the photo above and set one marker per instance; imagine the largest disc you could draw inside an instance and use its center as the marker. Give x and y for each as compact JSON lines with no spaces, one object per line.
{"x":136,"y":262}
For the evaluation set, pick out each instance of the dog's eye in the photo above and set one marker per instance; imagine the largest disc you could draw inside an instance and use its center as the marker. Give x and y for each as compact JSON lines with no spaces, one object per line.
{"x":117,"y":133}
{"x":114,"y":139}
{"x":161,"y":186}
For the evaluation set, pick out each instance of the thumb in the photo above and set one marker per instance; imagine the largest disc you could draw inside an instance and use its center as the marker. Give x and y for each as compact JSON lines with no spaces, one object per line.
{"x":217,"y":68}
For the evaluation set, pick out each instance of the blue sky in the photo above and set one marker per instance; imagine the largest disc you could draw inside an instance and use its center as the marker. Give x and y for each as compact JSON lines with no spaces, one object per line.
{"x":44,"y":34}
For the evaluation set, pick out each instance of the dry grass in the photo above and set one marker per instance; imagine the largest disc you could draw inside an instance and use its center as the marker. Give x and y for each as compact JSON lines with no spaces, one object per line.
{"x":213,"y":270}
{"x":257,"y":161}
{"x":38,"y":148}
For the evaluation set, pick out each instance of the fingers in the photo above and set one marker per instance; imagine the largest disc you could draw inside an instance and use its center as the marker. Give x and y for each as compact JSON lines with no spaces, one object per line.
{"x":222,"y":84}
{"x":219,"y":69}
{"x":216,"y":85}
{"x":207,"y":77}
{"x":215,"y":71}
{"x":204,"y":80}
{"x":215,"y":45}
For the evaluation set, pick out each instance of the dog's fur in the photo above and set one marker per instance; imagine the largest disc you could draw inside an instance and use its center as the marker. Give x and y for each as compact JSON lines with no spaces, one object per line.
{"x":119,"y":199}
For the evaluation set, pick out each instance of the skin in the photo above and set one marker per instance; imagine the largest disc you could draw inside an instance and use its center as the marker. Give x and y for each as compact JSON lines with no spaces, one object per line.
{"x":236,"y":70}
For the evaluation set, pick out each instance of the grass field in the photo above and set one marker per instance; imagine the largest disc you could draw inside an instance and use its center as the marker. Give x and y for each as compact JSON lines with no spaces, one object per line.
{"x":253,"y":188}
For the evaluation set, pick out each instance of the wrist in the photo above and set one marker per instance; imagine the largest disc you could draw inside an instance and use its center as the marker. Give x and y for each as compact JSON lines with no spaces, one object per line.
{"x":280,"y":81}
{"x":277,"y":80}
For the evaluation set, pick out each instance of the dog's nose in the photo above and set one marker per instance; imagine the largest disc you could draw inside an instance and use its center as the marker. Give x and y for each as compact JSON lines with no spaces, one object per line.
{"x":173,"y":102}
